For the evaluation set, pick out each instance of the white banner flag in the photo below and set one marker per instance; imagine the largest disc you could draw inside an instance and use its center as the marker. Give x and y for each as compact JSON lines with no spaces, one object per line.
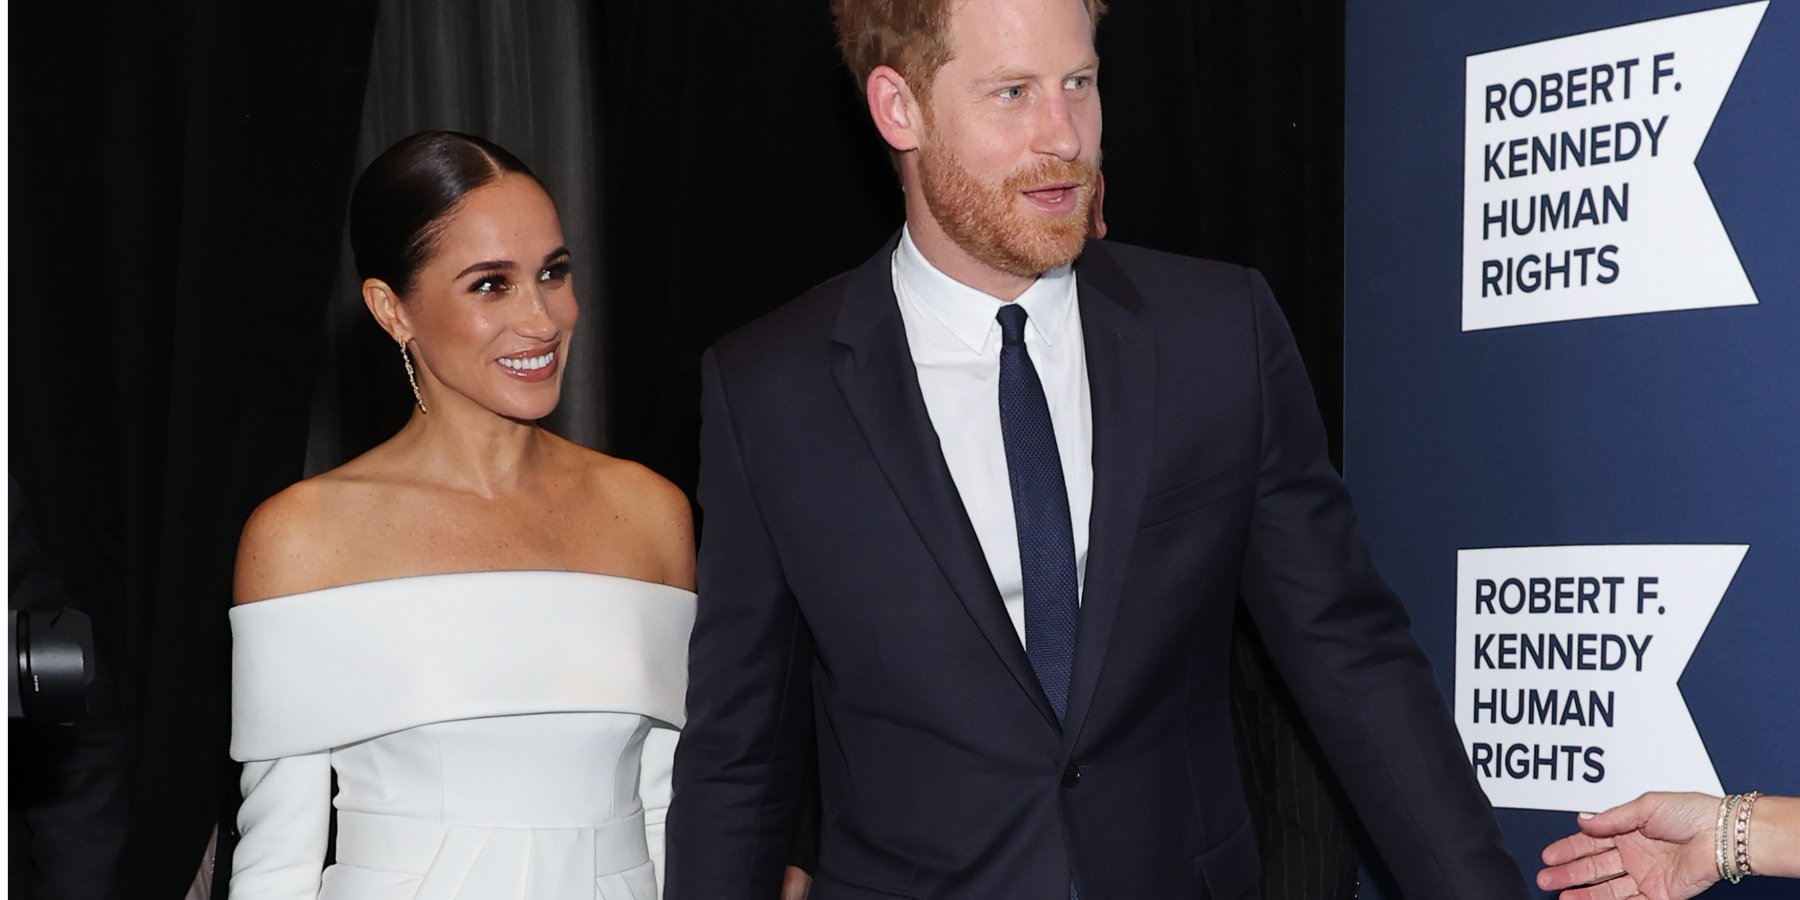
{"x":1567,"y":660}
{"x":1580,"y":195}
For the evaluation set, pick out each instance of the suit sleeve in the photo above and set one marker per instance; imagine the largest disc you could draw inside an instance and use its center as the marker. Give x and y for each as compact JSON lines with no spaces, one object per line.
{"x":740,"y":770}
{"x":284,"y":823}
{"x":1342,"y":639}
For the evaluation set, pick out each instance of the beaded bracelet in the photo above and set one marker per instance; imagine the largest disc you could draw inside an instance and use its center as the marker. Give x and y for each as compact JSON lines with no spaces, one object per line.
{"x":1741,"y":836}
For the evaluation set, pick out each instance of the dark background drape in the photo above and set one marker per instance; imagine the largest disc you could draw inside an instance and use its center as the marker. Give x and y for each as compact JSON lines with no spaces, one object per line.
{"x":179,"y":173}
{"x":746,"y":171}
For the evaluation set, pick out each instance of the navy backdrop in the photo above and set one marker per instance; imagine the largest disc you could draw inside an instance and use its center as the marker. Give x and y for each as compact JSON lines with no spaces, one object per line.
{"x":1663,"y":428}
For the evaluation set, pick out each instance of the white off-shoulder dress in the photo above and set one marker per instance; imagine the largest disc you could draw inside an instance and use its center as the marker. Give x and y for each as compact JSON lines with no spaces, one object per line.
{"x":494,"y":735}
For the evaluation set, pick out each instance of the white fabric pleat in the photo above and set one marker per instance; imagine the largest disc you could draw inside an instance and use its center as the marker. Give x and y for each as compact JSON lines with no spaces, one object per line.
{"x":328,"y":668}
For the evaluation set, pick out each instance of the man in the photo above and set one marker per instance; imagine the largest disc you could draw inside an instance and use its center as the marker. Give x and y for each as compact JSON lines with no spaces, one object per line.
{"x":977,"y":519}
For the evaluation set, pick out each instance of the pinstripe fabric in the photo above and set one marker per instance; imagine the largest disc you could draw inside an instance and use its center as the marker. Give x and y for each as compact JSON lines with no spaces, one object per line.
{"x":1298,"y":809}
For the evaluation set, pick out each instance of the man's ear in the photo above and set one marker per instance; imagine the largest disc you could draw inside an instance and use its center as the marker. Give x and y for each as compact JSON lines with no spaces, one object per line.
{"x":894,"y":108}
{"x":385,"y":306}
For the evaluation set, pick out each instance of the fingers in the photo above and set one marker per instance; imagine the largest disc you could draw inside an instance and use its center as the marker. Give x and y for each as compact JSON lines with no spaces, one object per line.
{"x":795,"y":884}
{"x":1097,"y":227}
{"x":1584,"y":870}
{"x":1574,"y":847}
{"x":1620,"y":819}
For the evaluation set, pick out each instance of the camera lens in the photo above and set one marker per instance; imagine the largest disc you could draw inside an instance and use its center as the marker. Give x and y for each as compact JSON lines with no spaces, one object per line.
{"x":53,"y":652}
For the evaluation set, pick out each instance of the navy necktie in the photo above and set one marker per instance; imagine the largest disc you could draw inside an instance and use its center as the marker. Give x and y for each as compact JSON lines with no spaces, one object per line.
{"x":1041,"y":513}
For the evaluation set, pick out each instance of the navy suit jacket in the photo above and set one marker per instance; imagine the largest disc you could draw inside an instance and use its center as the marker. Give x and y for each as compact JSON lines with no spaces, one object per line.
{"x":845,"y":600}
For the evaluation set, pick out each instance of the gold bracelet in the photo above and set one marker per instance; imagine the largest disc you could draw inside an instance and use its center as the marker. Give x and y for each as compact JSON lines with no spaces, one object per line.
{"x":1741,"y":837}
{"x":1722,"y":838}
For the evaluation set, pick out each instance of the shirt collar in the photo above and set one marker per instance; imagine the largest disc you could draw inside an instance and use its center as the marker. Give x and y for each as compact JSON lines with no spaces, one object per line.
{"x":969,"y":313}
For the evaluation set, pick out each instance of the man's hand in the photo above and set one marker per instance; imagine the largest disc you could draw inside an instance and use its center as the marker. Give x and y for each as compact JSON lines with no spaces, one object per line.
{"x":1097,"y":225}
{"x":1659,"y":846}
{"x":795,"y":883}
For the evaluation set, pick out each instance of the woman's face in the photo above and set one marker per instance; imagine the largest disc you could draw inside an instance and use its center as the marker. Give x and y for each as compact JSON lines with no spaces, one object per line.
{"x":491,"y":312}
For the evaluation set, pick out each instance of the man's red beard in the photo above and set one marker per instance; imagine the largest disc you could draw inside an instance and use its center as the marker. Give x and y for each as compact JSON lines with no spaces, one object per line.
{"x":985,"y":220}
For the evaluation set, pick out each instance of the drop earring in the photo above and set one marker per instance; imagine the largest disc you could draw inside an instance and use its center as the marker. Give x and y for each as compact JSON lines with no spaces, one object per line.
{"x":412,"y":378}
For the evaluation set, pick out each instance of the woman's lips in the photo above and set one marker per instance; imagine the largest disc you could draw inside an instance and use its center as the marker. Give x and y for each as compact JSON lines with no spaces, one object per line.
{"x":530,"y":365}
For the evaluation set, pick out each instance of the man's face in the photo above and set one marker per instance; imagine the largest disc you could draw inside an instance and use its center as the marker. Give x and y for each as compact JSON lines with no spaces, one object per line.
{"x":1011,"y":138}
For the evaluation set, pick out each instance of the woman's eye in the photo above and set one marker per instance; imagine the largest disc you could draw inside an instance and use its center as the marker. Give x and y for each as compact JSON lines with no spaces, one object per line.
{"x":489,"y":284}
{"x":554,"y":274}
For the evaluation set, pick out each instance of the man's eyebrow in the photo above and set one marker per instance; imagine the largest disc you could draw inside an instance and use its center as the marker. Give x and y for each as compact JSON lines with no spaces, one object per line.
{"x":1011,"y":73}
{"x":1004,"y":73}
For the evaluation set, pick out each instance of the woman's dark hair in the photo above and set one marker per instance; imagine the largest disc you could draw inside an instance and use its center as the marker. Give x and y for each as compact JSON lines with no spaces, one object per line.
{"x":398,"y":206}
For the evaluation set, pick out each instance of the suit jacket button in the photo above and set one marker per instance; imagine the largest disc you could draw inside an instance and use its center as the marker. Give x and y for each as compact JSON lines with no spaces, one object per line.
{"x":1071,"y":776}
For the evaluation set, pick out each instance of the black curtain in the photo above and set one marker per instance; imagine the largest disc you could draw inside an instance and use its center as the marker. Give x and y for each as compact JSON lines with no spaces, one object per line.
{"x":746,"y":171}
{"x":179,"y":175}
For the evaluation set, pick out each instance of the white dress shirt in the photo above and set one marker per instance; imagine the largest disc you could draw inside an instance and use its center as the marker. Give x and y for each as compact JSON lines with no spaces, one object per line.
{"x":955,"y":341}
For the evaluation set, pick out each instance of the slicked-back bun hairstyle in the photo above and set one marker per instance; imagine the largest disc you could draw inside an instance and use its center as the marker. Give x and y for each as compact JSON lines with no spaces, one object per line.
{"x":400,"y":203}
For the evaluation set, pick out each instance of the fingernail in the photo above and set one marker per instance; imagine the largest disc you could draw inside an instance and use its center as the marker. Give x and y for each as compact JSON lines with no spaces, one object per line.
{"x":1586,"y":816}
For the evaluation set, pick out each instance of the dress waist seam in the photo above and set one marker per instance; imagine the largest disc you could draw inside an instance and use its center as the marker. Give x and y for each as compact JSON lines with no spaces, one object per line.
{"x":404,"y":844}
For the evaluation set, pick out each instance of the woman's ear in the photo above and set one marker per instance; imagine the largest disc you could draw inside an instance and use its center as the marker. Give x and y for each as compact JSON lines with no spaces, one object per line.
{"x":387,"y":309}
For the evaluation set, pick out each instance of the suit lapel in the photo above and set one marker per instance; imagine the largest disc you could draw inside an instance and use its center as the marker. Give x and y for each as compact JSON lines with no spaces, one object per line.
{"x":1121,"y":381}
{"x":874,"y":370}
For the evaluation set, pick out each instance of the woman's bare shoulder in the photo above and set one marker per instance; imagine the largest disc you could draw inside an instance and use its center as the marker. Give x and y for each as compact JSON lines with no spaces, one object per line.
{"x":632,"y":488}
{"x":296,"y":540}
{"x":644,"y":503}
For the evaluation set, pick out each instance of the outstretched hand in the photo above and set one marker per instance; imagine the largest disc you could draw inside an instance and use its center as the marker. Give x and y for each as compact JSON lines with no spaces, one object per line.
{"x":1659,"y":846}
{"x":795,"y":884}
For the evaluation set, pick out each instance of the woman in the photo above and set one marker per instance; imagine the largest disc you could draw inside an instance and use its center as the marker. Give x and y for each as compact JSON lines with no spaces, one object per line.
{"x":479,"y":626}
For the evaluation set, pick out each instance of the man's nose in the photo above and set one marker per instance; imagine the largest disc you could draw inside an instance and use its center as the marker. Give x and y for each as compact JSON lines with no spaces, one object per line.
{"x":1056,"y":134}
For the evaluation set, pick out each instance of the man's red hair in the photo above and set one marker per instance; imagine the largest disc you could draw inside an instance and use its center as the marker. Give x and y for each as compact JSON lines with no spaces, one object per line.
{"x":911,"y":36}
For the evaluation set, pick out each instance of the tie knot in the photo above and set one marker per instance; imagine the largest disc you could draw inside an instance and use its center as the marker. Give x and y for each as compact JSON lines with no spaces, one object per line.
{"x":1012,"y":323}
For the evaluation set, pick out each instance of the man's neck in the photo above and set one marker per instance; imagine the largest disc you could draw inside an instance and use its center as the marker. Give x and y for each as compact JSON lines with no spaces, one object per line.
{"x":951,"y":259}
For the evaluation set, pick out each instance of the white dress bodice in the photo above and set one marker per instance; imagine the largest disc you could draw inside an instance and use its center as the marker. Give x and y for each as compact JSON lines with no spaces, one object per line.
{"x":582,"y":770}
{"x":498,"y":734}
